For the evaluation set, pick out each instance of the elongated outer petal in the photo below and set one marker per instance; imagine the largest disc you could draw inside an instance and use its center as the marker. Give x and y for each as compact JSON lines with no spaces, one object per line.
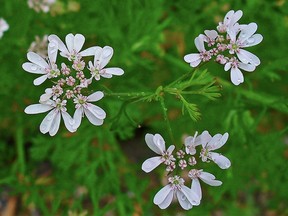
{"x":247,"y":67}
{"x":248,"y":57}
{"x":151,"y":163}
{"x":33,"y":68}
{"x":209,"y":179}
{"x":211,"y":34}
{"x":61,"y":46}
{"x":37,"y":108}
{"x":96,"y":96}
{"x":247,"y":31}
{"x":69,"y":39}
{"x":236,"y":16}
{"x":194,"y":59}
{"x":191,"y":196}
{"x":219,"y":141}
{"x":183,"y":201}
{"x":96,"y":111}
{"x":55,"y":124}
{"x":69,"y":122}
{"x":106,"y":55}
{"x":236,"y":76}
{"x":89,"y":51}
{"x":253,"y":40}
{"x":47,"y":121}
{"x":164,"y":195}
{"x":52,"y":51}
{"x":78,"y":114}
{"x":159,"y":142}
{"x":114,"y":71}
{"x":213,"y":142}
{"x":92,"y":118}
{"x":228,"y":17}
{"x":222,"y":161}
{"x":227,"y":66}
{"x":171,"y":149}
{"x":205,"y":138}
{"x":149,"y":139}
{"x":199,"y":43}
{"x":37,"y":59}
{"x":78,"y":42}
{"x":196,"y":187}
{"x":97,"y":57}
{"x":40,"y":80}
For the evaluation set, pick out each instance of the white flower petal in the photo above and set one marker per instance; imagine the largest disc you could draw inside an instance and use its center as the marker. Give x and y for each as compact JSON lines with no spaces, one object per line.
{"x":97,"y":56}
{"x":228,"y":17}
{"x":78,"y":42}
{"x":107,"y":53}
{"x":37,"y":59}
{"x":78,"y":114}
{"x":196,"y":187}
{"x":227,"y":66}
{"x":159,"y":142}
{"x":47,"y":121}
{"x":37,"y":108}
{"x":69,"y":39}
{"x":151,"y":163}
{"x":194,"y":59}
{"x":171,"y":149}
{"x":114,"y":71}
{"x":90,"y":51}
{"x":183,"y":201}
{"x":96,"y":96}
{"x":192,"y":197}
{"x":253,"y":40}
{"x":52,"y":51}
{"x":33,"y":68}
{"x":236,"y":16}
{"x":209,"y":179}
{"x":149,"y":139}
{"x":248,"y":57}
{"x":40,"y":80}
{"x":167,"y":201}
{"x":69,"y":122}
{"x":213,"y":142}
{"x":199,"y":43}
{"x":61,"y":46}
{"x":211,"y":34}
{"x":219,"y":142}
{"x":247,"y":67}
{"x":247,"y":31}
{"x":236,"y":76}
{"x":222,"y":161}
{"x":55,"y":124}
{"x":162,"y":195}
{"x":205,"y":138}
{"x":96,"y":111}
{"x":92,"y":118}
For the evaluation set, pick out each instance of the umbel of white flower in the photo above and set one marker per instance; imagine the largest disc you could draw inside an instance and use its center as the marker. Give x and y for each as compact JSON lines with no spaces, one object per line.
{"x":187,"y":197}
{"x":69,"y":82}
{"x":227,"y":46}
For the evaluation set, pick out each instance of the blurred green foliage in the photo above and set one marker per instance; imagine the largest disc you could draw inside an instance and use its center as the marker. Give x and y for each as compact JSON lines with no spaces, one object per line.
{"x":98,"y":168}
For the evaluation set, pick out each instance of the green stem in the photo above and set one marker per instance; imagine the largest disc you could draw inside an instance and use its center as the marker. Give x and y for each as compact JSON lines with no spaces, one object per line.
{"x":166,"y":119}
{"x":124,"y":94}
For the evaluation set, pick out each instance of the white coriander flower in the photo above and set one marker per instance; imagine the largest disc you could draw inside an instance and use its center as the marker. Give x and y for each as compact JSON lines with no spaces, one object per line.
{"x":51,"y":122}
{"x":206,"y":177}
{"x":101,"y":59}
{"x":191,"y":143}
{"x":157,"y":144}
{"x":230,"y":20}
{"x":195,"y":59}
{"x":186,"y":197}
{"x":74,"y":44}
{"x":213,"y":143}
{"x":94,"y":113}
{"x":210,"y":37}
{"x":38,"y":65}
{"x":3,"y":26}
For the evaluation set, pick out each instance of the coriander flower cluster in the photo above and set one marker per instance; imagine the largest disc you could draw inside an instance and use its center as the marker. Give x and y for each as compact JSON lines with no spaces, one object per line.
{"x":70,"y":79}
{"x":185,"y":162}
{"x":3,"y":26}
{"x":227,"y":46}
{"x":41,"y":5}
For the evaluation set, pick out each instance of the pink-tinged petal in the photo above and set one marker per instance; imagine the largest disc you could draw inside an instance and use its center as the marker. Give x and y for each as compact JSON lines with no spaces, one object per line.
{"x":220,"y":142}
{"x":199,"y":43}
{"x":183,"y":201}
{"x":55,"y":124}
{"x":236,"y":16}
{"x":213,"y":142}
{"x":40,"y":80}
{"x":33,"y":68}
{"x":92,"y":118}
{"x":97,"y":57}
{"x":96,"y":96}
{"x":171,"y":149}
{"x":228,"y":17}
{"x":78,"y":43}
{"x":248,"y":57}
{"x":167,"y":201}
{"x":247,"y":67}
{"x":69,"y":122}
{"x":252,"y":41}
{"x":96,"y":111}
{"x":46,"y":96}
{"x":78,"y":115}
{"x":107,"y":54}
{"x":194,"y":59}
{"x":205,"y":138}
{"x":37,"y":108}
{"x":150,"y":142}
{"x":196,"y":187}
{"x":192,"y":197}
{"x":247,"y":31}
{"x":114,"y":71}
{"x":227,"y":66}
{"x":162,"y":194}
{"x":104,"y":74}
{"x":159,"y":142}
{"x":47,"y":121}
{"x":209,"y":179}
{"x":69,"y":39}
{"x":236,"y":76}
{"x":61,"y":46}
{"x":52,"y":51}
{"x":151,"y":163}
{"x":222,"y":161}
{"x":211,"y":34}
{"x":37,"y":59}
{"x":90,"y":51}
